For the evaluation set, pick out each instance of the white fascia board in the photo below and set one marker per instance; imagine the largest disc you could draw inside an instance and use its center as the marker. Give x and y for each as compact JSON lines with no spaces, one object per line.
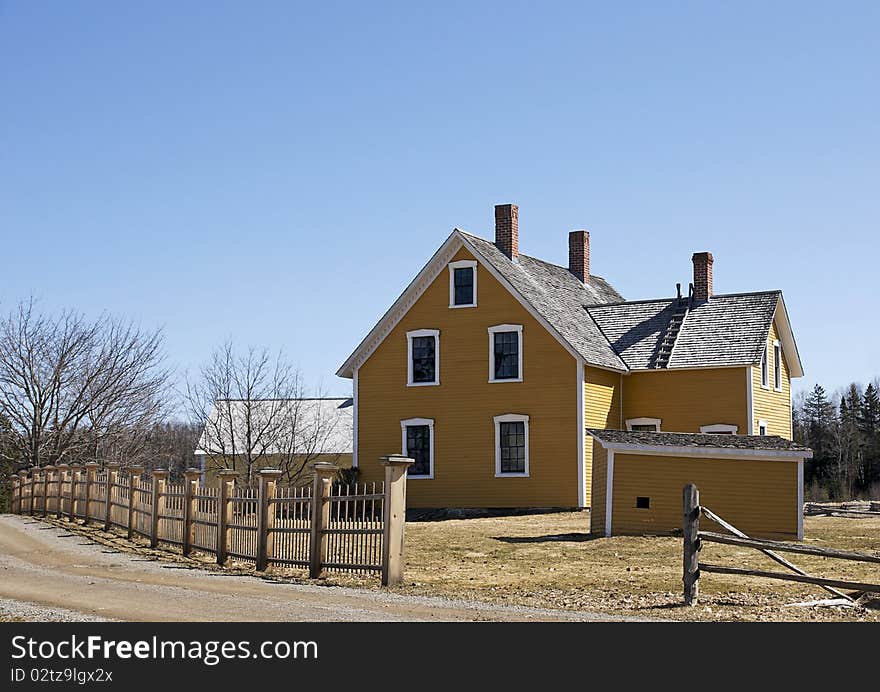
{"x":786,"y":336}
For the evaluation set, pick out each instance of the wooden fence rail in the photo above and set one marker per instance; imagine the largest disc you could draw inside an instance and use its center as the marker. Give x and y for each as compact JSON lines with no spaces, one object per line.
{"x":693,"y":544}
{"x":350,"y":528}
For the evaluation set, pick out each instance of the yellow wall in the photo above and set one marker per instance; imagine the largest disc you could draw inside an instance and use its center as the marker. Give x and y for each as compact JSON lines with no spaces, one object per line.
{"x":464,"y":404}
{"x":768,"y":404}
{"x":686,"y":399}
{"x":599,"y":476}
{"x":601,"y":410}
{"x":758,"y":497}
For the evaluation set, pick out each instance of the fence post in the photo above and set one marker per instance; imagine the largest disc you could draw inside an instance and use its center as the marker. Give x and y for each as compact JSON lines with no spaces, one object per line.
{"x":224,"y":512}
{"x":22,"y":482}
{"x":33,"y":484}
{"x":266,"y":517}
{"x":160,"y":477}
{"x":134,"y":473}
{"x":15,"y":498}
{"x":112,"y":476}
{"x":190,"y":487}
{"x":690,"y":531}
{"x":63,"y":470}
{"x":91,"y":471}
{"x":75,"y":475}
{"x":50,"y":472}
{"x":320,"y":506}
{"x":394,"y":517}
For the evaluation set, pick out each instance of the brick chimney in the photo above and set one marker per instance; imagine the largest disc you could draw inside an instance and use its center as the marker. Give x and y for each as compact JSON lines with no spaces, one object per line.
{"x":579,"y":255}
{"x":702,"y":275}
{"x":507,"y":229}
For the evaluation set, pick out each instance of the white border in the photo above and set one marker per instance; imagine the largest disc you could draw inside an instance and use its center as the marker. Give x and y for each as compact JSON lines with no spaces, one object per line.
{"x":763,"y":422}
{"x":505,"y":328}
{"x":777,"y":365}
{"x":750,"y":402}
{"x":800,"y":504}
{"x":419,"y":421}
{"x":609,"y":491}
{"x":409,"y":369}
{"x":354,"y":437}
{"x":462,"y":264}
{"x":763,"y":364}
{"x":582,"y":461}
{"x":719,"y":428}
{"x":510,"y":418}
{"x":643,"y":421}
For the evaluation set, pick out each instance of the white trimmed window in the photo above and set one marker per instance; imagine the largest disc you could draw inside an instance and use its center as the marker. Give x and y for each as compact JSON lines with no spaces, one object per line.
{"x":511,"y":445}
{"x":463,"y":284}
{"x":719,"y":429}
{"x":423,"y":357}
{"x":762,"y":427}
{"x":506,"y":353}
{"x":643,"y":424}
{"x":777,"y":366}
{"x":417,"y":442}
{"x":765,"y":375}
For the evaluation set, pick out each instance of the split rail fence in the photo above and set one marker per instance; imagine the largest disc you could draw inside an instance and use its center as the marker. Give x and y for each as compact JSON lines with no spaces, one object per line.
{"x":693,"y":544}
{"x":346,"y":528}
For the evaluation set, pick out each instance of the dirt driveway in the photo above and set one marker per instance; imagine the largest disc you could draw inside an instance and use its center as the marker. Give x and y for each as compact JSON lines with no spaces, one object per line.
{"x":45,"y":569}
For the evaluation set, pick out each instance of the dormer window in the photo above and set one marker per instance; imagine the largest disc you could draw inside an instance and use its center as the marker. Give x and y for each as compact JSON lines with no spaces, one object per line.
{"x":463,"y":284}
{"x":505,"y":353}
{"x":423,"y":357}
{"x":765,"y":375}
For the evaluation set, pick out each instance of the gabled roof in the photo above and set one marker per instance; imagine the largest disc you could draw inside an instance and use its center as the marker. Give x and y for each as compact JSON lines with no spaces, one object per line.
{"x":724,"y":331}
{"x":595,"y":324}
{"x":298,"y":426}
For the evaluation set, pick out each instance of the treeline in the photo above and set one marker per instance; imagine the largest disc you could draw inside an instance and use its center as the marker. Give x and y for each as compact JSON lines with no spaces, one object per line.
{"x":843,"y":430}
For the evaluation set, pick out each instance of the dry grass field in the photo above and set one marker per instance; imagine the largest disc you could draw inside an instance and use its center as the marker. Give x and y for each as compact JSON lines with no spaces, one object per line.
{"x":549,"y":560}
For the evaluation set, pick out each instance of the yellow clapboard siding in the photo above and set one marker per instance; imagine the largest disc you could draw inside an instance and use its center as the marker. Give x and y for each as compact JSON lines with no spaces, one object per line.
{"x":684,"y":400}
{"x":601,"y":410}
{"x":758,"y":497}
{"x":769,"y":404}
{"x":464,"y":404}
{"x":599,"y":476}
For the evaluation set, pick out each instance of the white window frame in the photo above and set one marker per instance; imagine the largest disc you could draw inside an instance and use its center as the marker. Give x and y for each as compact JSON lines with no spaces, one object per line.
{"x":630,"y":422}
{"x":518,"y":328}
{"x":717,"y":428}
{"x":765,"y":368}
{"x":404,"y":424}
{"x":462,"y":264}
{"x":510,"y":418}
{"x":763,"y":424}
{"x":777,"y":366}
{"x":409,"y":356}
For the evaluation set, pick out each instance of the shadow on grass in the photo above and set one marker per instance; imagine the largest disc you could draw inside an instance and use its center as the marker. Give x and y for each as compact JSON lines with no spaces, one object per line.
{"x":555,"y":538}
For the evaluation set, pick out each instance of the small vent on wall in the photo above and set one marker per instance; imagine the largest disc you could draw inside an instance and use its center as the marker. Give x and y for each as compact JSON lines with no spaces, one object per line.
{"x":643,"y":503}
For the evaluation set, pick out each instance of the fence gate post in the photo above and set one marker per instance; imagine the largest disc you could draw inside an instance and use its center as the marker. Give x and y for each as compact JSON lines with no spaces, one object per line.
{"x":134,"y":474}
{"x":190,"y":490}
{"x":33,"y":481}
{"x":320,"y":507}
{"x":63,"y":471}
{"x":22,"y":482}
{"x":15,"y":498}
{"x":91,"y":471}
{"x":394,"y":517}
{"x":266,"y":517}
{"x":112,"y":476}
{"x":49,"y":478}
{"x":691,"y":528}
{"x":224,"y":512}
{"x":160,"y":477}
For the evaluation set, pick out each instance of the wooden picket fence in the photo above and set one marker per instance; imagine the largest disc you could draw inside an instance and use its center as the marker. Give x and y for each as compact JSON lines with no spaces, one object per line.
{"x":348,"y":528}
{"x":694,"y":539}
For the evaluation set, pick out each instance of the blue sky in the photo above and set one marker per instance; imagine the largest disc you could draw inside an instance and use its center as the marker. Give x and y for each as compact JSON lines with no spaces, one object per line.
{"x":275,"y":173}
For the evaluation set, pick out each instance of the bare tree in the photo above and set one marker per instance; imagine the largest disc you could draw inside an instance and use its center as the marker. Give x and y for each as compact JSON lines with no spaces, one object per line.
{"x":253,"y":412}
{"x":71,"y":388}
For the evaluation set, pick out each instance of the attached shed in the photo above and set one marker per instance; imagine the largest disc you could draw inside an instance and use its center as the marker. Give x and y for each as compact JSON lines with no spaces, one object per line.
{"x":754,"y":482}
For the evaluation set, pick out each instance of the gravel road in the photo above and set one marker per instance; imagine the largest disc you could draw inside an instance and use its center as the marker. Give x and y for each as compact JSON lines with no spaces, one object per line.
{"x":47,"y":573}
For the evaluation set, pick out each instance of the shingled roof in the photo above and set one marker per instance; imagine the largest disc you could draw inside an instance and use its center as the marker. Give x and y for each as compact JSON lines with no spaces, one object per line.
{"x":772,"y":443}
{"x":725,"y":330}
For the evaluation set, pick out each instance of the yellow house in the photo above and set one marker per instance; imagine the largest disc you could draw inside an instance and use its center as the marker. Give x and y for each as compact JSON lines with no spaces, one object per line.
{"x":492,"y":365}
